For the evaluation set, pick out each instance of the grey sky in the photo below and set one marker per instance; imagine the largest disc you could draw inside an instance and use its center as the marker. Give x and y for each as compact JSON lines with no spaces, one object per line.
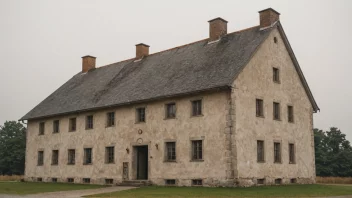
{"x":41,"y":43}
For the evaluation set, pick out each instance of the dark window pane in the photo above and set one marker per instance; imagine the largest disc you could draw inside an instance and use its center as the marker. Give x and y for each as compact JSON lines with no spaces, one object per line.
{"x":277,"y":152}
{"x":55,"y":157}
{"x":87,"y":156}
{"x":290,"y":113}
{"x":276,"y":110}
{"x":259,"y":107}
{"x":276,"y":75}
{"x":56,"y":126}
{"x":110,"y":119}
{"x":89,"y":122}
{"x":140,"y":114}
{"x":197,"y":107}
{"x":72,"y":124}
{"x":197,"y":152}
{"x":71,"y":156}
{"x":109,"y":154}
{"x":40,"y":158}
{"x":171,"y":110}
{"x":41,"y":128}
{"x":170,"y":151}
{"x":260,"y":151}
{"x":292,"y":153}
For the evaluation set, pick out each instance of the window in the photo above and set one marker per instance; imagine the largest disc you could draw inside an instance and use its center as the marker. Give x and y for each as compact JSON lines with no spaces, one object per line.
{"x":260,"y":181}
{"x":56,"y":126}
{"x":109,"y":181}
{"x":291,"y":150}
{"x":259,"y":108}
{"x":87,"y":156}
{"x":276,"y":75}
{"x":89,"y":122}
{"x":278,"y":181}
{"x":54,"y":180}
{"x":55,"y":157}
{"x":276,"y":110}
{"x":275,"y":39}
{"x":71,"y":156}
{"x":110,"y":119}
{"x":170,"y":110}
{"x":170,"y":182}
{"x":41,"y":128}
{"x":39,"y":179}
{"x":293,"y":180}
{"x":196,"y":107}
{"x":260,"y":151}
{"x":290,"y":113}
{"x":197,"y":182}
{"x":197,"y":152}
{"x":86,"y":180}
{"x":140,"y":114}
{"x":70,"y":180}
{"x":170,"y":151}
{"x":72,"y":124}
{"x":277,"y":152}
{"x":109,"y":155}
{"x":40,"y":158}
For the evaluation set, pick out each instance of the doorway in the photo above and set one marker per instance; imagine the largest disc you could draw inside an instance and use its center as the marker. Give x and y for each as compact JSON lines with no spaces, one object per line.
{"x":142,"y":162}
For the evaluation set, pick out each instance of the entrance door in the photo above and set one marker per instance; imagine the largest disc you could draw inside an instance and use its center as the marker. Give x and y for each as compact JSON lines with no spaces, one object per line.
{"x":142,"y":162}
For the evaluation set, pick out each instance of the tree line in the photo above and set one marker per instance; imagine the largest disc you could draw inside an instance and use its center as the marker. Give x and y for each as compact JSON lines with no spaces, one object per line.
{"x":333,"y":153}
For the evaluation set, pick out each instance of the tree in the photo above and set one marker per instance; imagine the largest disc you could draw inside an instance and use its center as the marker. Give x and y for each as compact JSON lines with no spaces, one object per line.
{"x":12,"y":148}
{"x":333,"y":153}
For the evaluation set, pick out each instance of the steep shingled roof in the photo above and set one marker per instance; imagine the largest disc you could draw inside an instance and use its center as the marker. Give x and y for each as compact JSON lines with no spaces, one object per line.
{"x":195,"y":67}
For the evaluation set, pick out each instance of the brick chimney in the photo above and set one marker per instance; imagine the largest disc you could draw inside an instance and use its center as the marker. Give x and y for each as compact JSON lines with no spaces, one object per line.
{"x":88,"y":63}
{"x":217,"y":28}
{"x":142,"y":50}
{"x":268,"y":17}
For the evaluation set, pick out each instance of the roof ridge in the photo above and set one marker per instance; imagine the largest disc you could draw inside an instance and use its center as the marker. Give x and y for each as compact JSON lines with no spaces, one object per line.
{"x":177,"y":47}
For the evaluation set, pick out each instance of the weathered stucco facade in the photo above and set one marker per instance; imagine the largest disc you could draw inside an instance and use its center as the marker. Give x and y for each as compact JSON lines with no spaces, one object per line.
{"x":155,"y":131}
{"x":228,"y":73}
{"x":256,"y":82}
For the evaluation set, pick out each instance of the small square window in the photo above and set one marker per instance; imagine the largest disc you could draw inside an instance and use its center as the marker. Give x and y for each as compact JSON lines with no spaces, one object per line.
{"x":56,"y":126}
{"x":276,"y":75}
{"x":278,"y":181}
{"x":89,"y":122}
{"x":86,"y":180}
{"x":170,"y":110}
{"x":54,"y":180}
{"x":197,"y":182}
{"x":72,"y":124}
{"x":259,"y":108}
{"x":109,"y":181}
{"x":39,"y":179}
{"x":196,"y":107}
{"x":276,"y":111}
{"x":40,"y":158}
{"x":41,"y":128}
{"x":170,"y":151}
{"x":170,"y":182}
{"x":140,"y":114}
{"x":87,"y":158}
{"x":110,"y":119}
{"x":55,"y":157}
{"x":70,"y":180}
{"x":71,"y":156}
{"x":290,"y":113}
{"x":109,"y":155}
{"x":197,"y":150}
{"x":293,"y":181}
{"x":260,"y":181}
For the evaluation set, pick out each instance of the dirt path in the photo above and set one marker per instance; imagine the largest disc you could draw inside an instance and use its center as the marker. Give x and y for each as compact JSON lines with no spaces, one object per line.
{"x":70,"y":194}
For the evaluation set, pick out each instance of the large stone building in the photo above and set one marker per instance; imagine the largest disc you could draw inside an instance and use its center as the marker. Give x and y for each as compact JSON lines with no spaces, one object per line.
{"x":233,"y":109}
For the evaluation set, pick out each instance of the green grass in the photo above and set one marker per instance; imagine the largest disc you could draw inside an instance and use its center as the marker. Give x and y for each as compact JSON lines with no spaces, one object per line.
{"x":22,"y":188}
{"x":264,"y":191}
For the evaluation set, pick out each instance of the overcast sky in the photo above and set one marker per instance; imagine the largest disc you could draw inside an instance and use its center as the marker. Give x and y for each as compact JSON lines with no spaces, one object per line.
{"x":42,"y":42}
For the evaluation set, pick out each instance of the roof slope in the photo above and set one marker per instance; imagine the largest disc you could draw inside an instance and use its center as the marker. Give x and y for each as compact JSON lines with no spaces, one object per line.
{"x":190,"y":68}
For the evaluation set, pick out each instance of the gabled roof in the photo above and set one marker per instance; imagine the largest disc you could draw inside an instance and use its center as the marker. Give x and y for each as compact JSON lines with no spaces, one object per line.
{"x":187,"y":69}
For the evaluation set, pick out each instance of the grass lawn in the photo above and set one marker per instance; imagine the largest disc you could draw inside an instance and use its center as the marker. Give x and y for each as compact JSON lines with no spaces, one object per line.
{"x":264,"y":191}
{"x":22,"y":188}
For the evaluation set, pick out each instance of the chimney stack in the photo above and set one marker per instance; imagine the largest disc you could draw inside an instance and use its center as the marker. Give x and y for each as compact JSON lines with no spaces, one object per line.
{"x":268,"y":17}
{"x":217,"y":28}
{"x":142,"y":50}
{"x":88,"y":63}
